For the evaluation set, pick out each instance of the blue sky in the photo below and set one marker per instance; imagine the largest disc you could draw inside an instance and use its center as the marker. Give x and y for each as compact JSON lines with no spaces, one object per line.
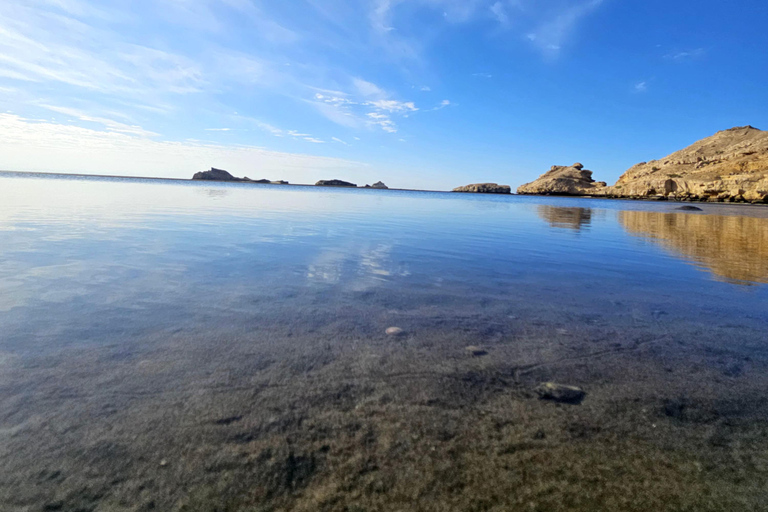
{"x":417,"y":93}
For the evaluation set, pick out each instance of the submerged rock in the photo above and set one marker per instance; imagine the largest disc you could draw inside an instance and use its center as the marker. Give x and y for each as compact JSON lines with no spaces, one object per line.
{"x":689,"y":208}
{"x":476,"y":351}
{"x":334,"y":183}
{"x":394,"y":331}
{"x":560,"y":393}
{"x":485,"y":188}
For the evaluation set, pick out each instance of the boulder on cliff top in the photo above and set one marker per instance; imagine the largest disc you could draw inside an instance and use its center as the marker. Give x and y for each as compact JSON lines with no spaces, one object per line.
{"x":334,"y":183}
{"x":485,"y":188}
{"x":564,"y":180}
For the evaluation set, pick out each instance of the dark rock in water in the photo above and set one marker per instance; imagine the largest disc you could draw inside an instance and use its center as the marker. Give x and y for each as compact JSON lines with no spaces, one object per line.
{"x":262,"y":181}
{"x":379,"y":184}
{"x":334,"y":183}
{"x":215,"y":175}
{"x":476,"y":351}
{"x":689,"y":208}
{"x":485,"y":188}
{"x":674,"y":408}
{"x":560,"y":393}
{"x":279,"y":182}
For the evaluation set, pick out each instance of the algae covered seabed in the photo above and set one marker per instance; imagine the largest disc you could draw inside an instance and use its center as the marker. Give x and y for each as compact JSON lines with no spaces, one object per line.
{"x":176,"y":363}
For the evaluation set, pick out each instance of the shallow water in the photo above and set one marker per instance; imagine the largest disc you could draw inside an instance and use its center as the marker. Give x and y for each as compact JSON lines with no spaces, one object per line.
{"x":178,"y":345}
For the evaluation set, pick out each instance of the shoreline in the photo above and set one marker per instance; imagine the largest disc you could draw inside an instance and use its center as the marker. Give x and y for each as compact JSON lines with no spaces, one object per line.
{"x":614,"y":198}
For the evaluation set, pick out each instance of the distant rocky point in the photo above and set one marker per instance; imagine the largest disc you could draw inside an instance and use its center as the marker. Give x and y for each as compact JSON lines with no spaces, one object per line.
{"x":485,"y":188}
{"x":222,"y":175}
{"x":729,"y":166}
{"x":334,"y":183}
{"x":216,"y":175}
{"x":378,"y":184}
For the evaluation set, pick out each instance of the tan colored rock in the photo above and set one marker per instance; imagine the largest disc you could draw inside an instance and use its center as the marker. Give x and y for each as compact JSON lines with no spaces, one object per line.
{"x":571,"y":180}
{"x":485,"y":188}
{"x":731,"y":165}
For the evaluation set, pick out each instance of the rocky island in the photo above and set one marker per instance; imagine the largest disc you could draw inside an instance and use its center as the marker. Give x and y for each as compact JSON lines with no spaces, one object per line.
{"x":485,"y":188}
{"x":564,"y":180}
{"x":222,"y":175}
{"x":730,"y":166}
{"x":334,"y":183}
{"x":378,"y":184}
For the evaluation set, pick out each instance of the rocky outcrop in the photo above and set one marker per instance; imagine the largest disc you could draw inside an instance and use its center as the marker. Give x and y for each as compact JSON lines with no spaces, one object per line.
{"x":216,"y":175}
{"x":485,"y":188}
{"x":731,"y":165}
{"x":334,"y":183}
{"x":571,"y":180}
{"x":378,"y":184}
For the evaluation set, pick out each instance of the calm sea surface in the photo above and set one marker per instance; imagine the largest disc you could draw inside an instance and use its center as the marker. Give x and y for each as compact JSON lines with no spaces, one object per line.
{"x":196,"y":346}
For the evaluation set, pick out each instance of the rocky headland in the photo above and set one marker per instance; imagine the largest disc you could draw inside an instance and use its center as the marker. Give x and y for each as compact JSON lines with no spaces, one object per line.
{"x":485,"y":188}
{"x":730,"y":166}
{"x":378,"y":184}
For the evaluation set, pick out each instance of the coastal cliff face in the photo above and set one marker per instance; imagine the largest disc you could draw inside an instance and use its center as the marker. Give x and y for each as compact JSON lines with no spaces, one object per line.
{"x":571,"y":180}
{"x":731,"y":165}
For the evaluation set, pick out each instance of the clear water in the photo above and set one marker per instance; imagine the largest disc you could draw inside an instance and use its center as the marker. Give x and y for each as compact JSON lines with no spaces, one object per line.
{"x":124,"y":299}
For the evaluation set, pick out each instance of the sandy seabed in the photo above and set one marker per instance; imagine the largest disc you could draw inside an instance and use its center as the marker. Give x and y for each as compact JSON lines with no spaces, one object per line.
{"x":265,"y":409}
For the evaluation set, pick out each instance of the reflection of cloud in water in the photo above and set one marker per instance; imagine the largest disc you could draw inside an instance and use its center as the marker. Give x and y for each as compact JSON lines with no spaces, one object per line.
{"x":356,"y":269}
{"x":733,"y":248}
{"x":565,"y":217}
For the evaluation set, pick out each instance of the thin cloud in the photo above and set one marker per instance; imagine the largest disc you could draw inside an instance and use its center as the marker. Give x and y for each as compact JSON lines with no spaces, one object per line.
{"x":685,"y":55}
{"x":641,"y":86}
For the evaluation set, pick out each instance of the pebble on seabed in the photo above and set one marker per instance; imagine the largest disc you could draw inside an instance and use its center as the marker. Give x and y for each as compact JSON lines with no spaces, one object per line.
{"x":394,"y":331}
{"x":476,"y":351}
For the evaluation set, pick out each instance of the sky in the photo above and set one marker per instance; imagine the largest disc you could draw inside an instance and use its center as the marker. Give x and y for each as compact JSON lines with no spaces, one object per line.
{"x":429,"y":94}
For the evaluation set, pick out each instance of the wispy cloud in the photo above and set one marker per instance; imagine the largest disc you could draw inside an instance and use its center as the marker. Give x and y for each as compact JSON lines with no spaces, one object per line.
{"x":685,"y":55}
{"x":218,"y":129}
{"x":641,"y":86}
{"x":551,"y":34}
{"x":36,"y":145}
{"x":109,"y":124}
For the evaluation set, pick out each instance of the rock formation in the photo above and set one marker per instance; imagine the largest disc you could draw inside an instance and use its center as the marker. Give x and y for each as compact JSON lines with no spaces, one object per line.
{"x":731,"y":165}
{"x":378,"y":184}
{"x":334,"y":183}
{"x":571,"y":180}
{"x":485,"y":188}
{"x":216,"y":175}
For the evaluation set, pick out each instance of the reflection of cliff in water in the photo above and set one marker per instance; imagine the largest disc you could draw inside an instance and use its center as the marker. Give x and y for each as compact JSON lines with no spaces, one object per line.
{"x":565,"y":217}
{"x":733,"y":248}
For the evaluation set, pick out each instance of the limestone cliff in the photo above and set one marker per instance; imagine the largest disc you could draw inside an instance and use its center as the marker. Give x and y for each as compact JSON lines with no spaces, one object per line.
{"x":731,"y":165}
